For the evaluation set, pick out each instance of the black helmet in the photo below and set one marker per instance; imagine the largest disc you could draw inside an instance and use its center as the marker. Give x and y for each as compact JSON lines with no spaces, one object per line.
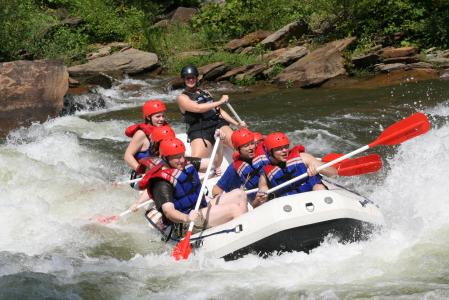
{"x":189,"y":70}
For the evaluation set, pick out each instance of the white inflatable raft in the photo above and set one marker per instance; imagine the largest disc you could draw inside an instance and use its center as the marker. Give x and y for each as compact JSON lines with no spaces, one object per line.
{"x":291,"y":223}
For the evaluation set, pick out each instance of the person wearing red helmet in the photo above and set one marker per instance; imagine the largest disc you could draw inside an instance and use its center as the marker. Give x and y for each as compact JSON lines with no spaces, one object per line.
{"x":286,"y":164}
{"x":202,"y":114}
{"x":175,"y":185}
{"x":258,"y":138}
{"x":247,"y":167}
{"x":141,"y":144}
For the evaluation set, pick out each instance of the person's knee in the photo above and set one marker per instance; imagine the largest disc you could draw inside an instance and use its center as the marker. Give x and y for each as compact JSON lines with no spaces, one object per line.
{"x":238,"y":209}
{"x":318,"y":187}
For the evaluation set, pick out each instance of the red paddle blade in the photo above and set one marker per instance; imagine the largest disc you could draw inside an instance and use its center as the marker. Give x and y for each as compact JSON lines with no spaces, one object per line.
{"x":107,"y":219}
{"x":403,"y":130}
{"x":183,"y":248}
{"x":332,"y":156}
{"x":361,"y":165}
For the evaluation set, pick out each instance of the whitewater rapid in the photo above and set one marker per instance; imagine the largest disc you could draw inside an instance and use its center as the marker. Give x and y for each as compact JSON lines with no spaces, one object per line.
{"x":56,"y":176}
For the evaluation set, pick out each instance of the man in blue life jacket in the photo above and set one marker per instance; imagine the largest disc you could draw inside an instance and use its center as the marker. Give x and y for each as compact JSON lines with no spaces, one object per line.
{"x":175,"y":185}
{"x":286,"y":164}
{"x":248,"y":164}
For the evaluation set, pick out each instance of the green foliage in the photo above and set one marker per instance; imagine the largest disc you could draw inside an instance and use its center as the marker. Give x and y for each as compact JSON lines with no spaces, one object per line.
{"x":105,"y":21}
{"x":22,"y":28}
{"x":167,"y":42}
{"x":31,"y":28}
{"x":275,"y":70}
{"x":235,"y":18}
{"x":246,"y":81}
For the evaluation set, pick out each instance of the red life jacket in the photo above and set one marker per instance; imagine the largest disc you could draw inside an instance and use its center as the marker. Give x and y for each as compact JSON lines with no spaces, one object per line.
{"x":146,"y":128}
{"x":186,"y":184}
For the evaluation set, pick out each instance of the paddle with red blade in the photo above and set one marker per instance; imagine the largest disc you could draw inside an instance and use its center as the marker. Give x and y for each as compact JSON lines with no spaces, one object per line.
{"x":397,"y":133}
{"x":349,"y":167}
{"x":112,"y":218}
{"x":360,"y":165}
{"x":183,"y":248}
{"x":356,"y":166}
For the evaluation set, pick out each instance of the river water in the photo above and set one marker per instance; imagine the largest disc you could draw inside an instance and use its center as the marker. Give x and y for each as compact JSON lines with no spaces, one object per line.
{"x":54,"y":177}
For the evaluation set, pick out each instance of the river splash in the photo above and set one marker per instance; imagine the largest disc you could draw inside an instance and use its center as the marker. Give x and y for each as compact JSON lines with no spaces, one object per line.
{"x":55,"y":177}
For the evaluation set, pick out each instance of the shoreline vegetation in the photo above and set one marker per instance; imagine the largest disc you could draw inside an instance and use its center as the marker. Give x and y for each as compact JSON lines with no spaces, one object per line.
{"x":200,"y":33}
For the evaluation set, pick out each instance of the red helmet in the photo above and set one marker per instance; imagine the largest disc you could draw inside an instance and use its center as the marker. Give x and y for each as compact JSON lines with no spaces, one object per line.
{"x":258,"y":136}
{"x":172,"y":146}
{"x":152,"y":107}
{"x":276,"y":139}
{"x":162,"y":133}
{"x":241,"y":137}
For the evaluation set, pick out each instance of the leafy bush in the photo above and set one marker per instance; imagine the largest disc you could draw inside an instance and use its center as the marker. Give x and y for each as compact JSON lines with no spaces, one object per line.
{"x":235,"y":18}
{"x":22,"y":28}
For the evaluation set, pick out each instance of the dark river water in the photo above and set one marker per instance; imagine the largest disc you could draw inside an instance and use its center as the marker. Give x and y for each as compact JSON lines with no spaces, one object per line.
{"x":54,"y":177}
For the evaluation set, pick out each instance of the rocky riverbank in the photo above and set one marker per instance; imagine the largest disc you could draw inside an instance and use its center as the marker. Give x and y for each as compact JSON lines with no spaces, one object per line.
{"x":34,"y":90}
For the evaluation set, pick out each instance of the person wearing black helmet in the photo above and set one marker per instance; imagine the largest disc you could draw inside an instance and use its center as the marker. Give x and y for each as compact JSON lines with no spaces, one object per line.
{"x":202,"y":114}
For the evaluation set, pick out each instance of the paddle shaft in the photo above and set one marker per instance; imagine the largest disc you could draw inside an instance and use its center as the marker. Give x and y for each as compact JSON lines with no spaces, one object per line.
{"x":397,"y":133}
{"x":138,"y":206}
{"x":234,"y":112}
{"x":206,"y":176}
{"x":139,"y":179}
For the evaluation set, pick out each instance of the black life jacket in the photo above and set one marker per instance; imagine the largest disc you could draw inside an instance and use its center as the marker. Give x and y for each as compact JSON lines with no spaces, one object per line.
{"x":199,"y":121}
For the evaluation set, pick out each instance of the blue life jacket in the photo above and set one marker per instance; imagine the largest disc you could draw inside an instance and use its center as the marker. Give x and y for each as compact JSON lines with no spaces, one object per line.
{"x":294,"y":166}
{"x":143,"y":154}
{"x":187,"y":187}
{"x":250,"y":173}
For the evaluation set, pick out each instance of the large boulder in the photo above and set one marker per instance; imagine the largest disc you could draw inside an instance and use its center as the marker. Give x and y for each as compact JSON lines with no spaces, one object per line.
{"x":253,"y":71}
{"x":281,"y":38}
{"x":31,"y":91}
{"x":288,"y":56}
{"x":129,"y":61}
{"x":248,"y":40}
{"x":183,"y":14}
{"x":233,"y":72}
{"x":320,"y":65}
{"x":212,"y":71}
{"x":390,"y":52}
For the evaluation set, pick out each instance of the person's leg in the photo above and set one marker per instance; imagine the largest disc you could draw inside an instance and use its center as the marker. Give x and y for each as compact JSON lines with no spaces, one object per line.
{"x":228,"y":133}
{"x":319,"y":186}
{"x":199,"y":149}
{"x":221,"y":213}
{"x":236,"y":196}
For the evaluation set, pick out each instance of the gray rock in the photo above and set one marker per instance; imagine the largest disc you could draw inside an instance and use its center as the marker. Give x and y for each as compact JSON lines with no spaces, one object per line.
{"x":90,"y":101}
{"x":130,"y":61}
{"x":420,"y":65}
{"x":233,"y":72}
{"x":252,"y":71}
{"x":387,"y":68}
{"x":320,"y":65}
{"x":248,"y":50}
{"x":289,"y":56}
{"x":215,"y":73}
{"x":248,"y":40}
{"x":183,"y":14}
{"x":280,"y":38}
{"x":445,"y":75}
